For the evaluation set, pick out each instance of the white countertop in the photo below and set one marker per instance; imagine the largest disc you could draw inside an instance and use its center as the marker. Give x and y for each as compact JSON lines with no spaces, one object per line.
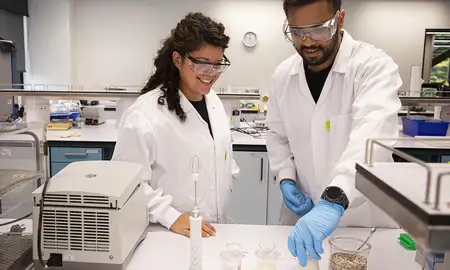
{"x":38,"y":129}
{"x":28,"y":223}
{"x":386,"y":253}
{"x":107,"y":132}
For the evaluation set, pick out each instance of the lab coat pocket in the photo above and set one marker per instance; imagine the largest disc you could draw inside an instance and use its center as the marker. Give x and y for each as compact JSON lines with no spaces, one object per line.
{"x":339,"y":129}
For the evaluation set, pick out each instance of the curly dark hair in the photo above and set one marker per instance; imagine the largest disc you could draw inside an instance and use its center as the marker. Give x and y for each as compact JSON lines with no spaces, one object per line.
{"x":189,"y":35}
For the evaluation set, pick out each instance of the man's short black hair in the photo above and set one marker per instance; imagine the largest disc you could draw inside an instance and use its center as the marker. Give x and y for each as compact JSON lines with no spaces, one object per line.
{"x":287,"y":4}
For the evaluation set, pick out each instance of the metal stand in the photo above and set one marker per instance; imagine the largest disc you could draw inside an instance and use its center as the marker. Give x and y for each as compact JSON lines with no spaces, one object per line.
{"x":16,"y":248}
{"x":418,"y":208}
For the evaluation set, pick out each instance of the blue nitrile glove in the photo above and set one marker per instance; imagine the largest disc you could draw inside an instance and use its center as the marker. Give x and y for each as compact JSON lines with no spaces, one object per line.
{"x":295,"y":200}
{"x":312,"y":229}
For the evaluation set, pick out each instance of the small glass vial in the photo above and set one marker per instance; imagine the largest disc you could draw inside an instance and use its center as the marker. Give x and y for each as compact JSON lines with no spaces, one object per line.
{"x":345,"y":256}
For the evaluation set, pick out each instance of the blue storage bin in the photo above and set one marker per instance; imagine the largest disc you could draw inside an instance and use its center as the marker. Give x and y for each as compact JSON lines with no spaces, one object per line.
{"x":424,"y":127}
{"x":59,"y":116}
{"x":74,"y":115}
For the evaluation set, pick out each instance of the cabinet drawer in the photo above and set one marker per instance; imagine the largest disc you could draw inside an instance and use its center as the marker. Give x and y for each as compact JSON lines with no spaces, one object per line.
{"x":56,"y":167}
{"x":68,"y":154}
{"x":445,"y":159}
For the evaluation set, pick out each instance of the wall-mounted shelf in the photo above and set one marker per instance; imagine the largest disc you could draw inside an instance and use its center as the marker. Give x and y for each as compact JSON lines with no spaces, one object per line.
{"x":84,"y":94}
{"x":412,"y":101}
{"x":239,"y":96}
{"x":103,"y":94}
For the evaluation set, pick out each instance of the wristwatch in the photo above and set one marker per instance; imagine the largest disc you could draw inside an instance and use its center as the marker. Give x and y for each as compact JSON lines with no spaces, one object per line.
{"x":335,"y":195}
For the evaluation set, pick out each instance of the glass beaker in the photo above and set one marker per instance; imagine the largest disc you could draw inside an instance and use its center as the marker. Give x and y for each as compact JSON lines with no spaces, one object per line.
{"x":267,"y":257}
{"x":345,"y":256}
{"x":231,"y":259}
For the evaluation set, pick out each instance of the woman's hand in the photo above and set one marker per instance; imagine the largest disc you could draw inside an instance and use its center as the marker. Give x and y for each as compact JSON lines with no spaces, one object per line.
{"x":182,"y":226}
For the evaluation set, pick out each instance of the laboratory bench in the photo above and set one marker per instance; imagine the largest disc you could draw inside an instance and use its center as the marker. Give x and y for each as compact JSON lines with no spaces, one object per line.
{"x":249,"y":152}
{"x":163,"y":249}
{"x":97,"y":143}
{"x":386,"y":253}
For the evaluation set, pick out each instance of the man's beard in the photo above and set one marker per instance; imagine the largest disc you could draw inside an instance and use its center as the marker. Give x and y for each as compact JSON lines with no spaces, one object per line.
{"x":327,"y":52}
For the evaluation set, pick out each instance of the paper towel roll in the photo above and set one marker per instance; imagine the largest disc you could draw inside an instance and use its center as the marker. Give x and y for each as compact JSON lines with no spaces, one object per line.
{"x":415,"y":86}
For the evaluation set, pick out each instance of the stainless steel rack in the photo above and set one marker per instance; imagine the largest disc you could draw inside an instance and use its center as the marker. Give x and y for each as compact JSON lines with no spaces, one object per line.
{"x":16,"y":247}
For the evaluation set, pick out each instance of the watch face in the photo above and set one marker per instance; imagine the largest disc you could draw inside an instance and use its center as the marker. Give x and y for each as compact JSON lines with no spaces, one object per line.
{"x":334,"y":193}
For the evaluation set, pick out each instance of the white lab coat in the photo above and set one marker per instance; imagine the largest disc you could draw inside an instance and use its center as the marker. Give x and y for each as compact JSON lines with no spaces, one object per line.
{"x":153,"y":136}
{"x":318,"y":144}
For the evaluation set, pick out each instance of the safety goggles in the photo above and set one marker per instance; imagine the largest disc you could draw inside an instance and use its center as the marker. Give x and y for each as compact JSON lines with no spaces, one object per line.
{"x":321,"y":32}
{"x":205,"y":67}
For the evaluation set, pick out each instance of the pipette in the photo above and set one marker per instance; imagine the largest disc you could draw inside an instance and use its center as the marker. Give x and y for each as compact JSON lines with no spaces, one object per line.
{"x":196,"y":220}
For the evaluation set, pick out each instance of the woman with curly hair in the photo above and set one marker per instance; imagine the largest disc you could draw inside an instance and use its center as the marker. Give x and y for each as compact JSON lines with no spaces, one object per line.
{"x":178,"y":117}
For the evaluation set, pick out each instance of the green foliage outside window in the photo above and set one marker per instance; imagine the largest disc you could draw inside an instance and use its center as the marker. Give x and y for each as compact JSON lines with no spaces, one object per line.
{"x":441,"y":72}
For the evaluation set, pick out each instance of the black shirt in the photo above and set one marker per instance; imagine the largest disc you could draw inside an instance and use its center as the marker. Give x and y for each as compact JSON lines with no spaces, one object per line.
{"x":201,"y":108}
{"x":316,"y":80}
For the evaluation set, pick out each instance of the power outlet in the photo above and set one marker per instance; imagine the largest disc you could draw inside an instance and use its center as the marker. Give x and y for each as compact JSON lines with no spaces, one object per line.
{"x":43,"y":108}
{"x":42,"y":112}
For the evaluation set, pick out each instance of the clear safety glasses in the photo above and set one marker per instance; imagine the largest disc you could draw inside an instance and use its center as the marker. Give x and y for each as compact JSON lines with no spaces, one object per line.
{"x":204,"y":67}
{"x":322,"y":32}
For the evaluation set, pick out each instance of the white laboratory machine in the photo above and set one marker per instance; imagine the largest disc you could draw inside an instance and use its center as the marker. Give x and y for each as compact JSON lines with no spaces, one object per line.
{"x":94,"y":115}
{"x":93,"y":217}
{"x":416,"y":195}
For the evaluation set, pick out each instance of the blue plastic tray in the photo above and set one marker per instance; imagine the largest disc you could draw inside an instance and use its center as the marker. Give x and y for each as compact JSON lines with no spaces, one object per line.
{"x":424,"y":127}
{"x":59,"y":116}
{"x":74,"y":115}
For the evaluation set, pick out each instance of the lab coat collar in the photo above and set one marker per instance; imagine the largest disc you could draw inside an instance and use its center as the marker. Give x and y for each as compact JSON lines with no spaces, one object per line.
{"x":185,"y":103}
{"x":345,"y":51}
{"x":210,"y":106}
{"x":342,"y":58}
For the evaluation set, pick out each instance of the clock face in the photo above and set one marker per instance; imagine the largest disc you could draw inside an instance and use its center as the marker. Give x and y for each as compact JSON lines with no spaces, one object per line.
{"x":250,"y":39}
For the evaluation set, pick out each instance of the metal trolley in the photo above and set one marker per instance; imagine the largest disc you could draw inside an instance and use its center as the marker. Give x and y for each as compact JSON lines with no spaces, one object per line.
{"x":18,"y":178}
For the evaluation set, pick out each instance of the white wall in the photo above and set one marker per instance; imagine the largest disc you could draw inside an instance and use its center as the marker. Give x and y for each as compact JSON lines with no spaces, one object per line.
{"x":49,"y":42}
{"x":116,"y":41}
{"x":112,"y":42}
{"x":397,"y":27}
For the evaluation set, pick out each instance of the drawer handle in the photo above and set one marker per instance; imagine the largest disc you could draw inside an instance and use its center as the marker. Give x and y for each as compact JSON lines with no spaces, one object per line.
{"x":75,"y":154}
{"x":262,"y":169}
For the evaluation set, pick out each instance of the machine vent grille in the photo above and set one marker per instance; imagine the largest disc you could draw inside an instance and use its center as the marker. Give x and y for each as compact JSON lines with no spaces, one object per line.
{"x":76,"y":230}
{"x":77,"y":200}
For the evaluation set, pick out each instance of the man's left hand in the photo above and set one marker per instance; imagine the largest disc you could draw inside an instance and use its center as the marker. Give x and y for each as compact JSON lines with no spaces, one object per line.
{"x":312,"y":229}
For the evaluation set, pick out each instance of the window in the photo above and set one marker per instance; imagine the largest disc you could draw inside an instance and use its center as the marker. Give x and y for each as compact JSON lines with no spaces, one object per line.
{"x":440,"y":71}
